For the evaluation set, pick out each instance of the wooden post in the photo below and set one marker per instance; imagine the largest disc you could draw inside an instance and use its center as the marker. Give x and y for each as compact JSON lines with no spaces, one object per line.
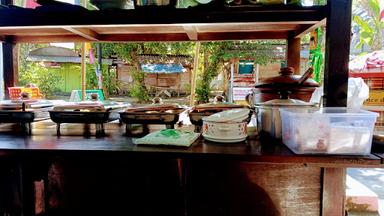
{"x":10,"y":66}
{"x":333,"y":192}
{"x":194,"y":74}
{"x":338,"y":39}
{"x":293,"y":54}
{"x":230,"y":93}
{"x":99,"y":65}
{"x":83,"y":72}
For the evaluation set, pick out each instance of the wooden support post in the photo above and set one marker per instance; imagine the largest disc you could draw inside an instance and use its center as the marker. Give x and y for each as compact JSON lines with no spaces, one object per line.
{"x":333,"y":191}
{"x":194,"y":74}
{"x":293,"y":54}
{"x":10,"y":66}
{"x":83,"y":72}
{"x":338,"y":39}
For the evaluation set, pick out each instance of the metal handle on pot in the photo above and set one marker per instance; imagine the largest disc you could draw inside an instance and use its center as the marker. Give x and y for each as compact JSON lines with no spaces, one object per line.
{"x":248,"y":99}
{"x":305,"y":76}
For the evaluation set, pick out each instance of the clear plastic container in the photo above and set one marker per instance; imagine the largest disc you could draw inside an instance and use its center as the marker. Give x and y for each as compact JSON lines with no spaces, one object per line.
{"x":330,"y":130}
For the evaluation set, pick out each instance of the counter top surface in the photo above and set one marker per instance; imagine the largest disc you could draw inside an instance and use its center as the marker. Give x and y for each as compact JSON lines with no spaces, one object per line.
{"x":75,"y":140}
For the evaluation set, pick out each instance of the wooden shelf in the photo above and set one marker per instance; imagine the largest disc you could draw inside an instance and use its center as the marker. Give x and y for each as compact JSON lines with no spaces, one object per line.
{"x":158,"y":24}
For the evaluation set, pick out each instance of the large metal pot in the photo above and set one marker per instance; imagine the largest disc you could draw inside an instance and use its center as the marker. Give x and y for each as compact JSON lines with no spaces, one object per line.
{"x":300,"y":87}
{"x":268,"y":115}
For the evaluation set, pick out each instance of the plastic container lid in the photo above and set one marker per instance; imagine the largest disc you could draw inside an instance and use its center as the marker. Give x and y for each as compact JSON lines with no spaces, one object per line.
{"x":228,"y":115}
{"x":285,"y":102}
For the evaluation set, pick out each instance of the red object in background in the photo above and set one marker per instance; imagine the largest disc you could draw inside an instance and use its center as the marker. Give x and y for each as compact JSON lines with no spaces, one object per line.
{"x":382,"y":10}
{"x":31,"y":4}
{"x":14,"y":92}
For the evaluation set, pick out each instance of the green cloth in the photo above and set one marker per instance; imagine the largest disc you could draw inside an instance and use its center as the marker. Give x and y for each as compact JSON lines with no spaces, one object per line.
{"x":168,"y":137}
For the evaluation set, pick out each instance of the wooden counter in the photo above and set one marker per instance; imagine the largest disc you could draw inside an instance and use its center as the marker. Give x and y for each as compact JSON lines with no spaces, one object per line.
{"x":76,"y":139}
{"x":77,"y":174}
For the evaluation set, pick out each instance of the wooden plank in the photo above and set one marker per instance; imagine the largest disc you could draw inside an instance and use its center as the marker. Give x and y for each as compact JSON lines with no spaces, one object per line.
{"x":144,"y":37}
{"x":293,"y":53}
{"x":154,"y":37}
{"x":138,"y":29}
{"x":338,"y":39}
{"x":242,"y":35}
{"x":39,"y":197}
{"x":191,"y":31}
{"x":250,"y":27}
{"x":84,"y":32}
{"x":48,"y":39}
{"x":305,"y":29}
{"x":159,"y":15}
{"x":30,"y":31}
{"x":11,"y":196}
{"x":333,"y":191}
{"x":217,"y":187}
{"x":116,"y":186}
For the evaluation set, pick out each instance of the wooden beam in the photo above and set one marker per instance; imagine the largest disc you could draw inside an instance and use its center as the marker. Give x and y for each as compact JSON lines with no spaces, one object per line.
{"x":10,"y":66}
{"x":166,"y":15}
{"x":242,"y":35}
{"x":191,"y":32}
{"x":305,"y":29}
{"x":293,"y":53}
{"x":48,"y":39}
{"x":154,"y":37}
{"x":333,"y":192}
{"x":338,"y":40}
{"x":84,"y":32}
{"x":144,"y":37}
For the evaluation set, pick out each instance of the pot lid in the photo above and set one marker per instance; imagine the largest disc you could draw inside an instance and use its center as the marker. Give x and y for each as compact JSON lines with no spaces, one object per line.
{"x":285,"y":102}
{"x":287,"y":78}
{"x":228,"y":115}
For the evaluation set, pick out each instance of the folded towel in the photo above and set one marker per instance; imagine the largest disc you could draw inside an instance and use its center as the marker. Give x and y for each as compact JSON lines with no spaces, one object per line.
{"x":168,"y":137}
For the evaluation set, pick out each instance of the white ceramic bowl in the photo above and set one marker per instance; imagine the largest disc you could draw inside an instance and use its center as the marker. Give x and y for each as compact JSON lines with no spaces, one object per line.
{"x":235,"y":115}
{"x":225,"y":131}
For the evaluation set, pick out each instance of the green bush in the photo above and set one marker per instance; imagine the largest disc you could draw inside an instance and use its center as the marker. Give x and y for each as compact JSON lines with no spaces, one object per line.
{"x":138,"y":89}
{"x":109,"y":78}
{"x":47,"y":81}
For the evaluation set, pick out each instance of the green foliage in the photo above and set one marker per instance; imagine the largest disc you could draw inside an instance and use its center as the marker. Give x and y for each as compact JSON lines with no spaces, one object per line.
{"x":126,"y":51}
{"x":261,"y":52}
{"x":129,"y":51}
{"x":109,"y":78}
{"x":371,"y":27}
{"x":47,"y":80}
{"x":138,"y":89}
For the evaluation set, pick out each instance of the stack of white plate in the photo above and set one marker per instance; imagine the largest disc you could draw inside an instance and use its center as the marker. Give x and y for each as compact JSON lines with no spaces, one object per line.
{"x":227,"y":126}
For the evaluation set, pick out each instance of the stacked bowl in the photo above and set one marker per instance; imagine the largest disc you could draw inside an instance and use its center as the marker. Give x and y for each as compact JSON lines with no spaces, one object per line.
{"x":227,"y":126}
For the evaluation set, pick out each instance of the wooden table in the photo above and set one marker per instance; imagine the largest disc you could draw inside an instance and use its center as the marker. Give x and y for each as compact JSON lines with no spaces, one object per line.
{"x":88,"y":175}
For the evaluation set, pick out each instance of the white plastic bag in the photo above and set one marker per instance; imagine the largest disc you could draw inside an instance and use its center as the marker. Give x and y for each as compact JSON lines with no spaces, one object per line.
{"x":358,"y":92}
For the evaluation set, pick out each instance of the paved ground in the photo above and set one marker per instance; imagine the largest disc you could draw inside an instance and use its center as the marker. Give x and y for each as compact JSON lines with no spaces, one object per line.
{"x":372,"y":178}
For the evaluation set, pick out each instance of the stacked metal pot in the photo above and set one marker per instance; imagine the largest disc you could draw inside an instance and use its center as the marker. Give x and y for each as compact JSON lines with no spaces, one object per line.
{"x":286,"y":90}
